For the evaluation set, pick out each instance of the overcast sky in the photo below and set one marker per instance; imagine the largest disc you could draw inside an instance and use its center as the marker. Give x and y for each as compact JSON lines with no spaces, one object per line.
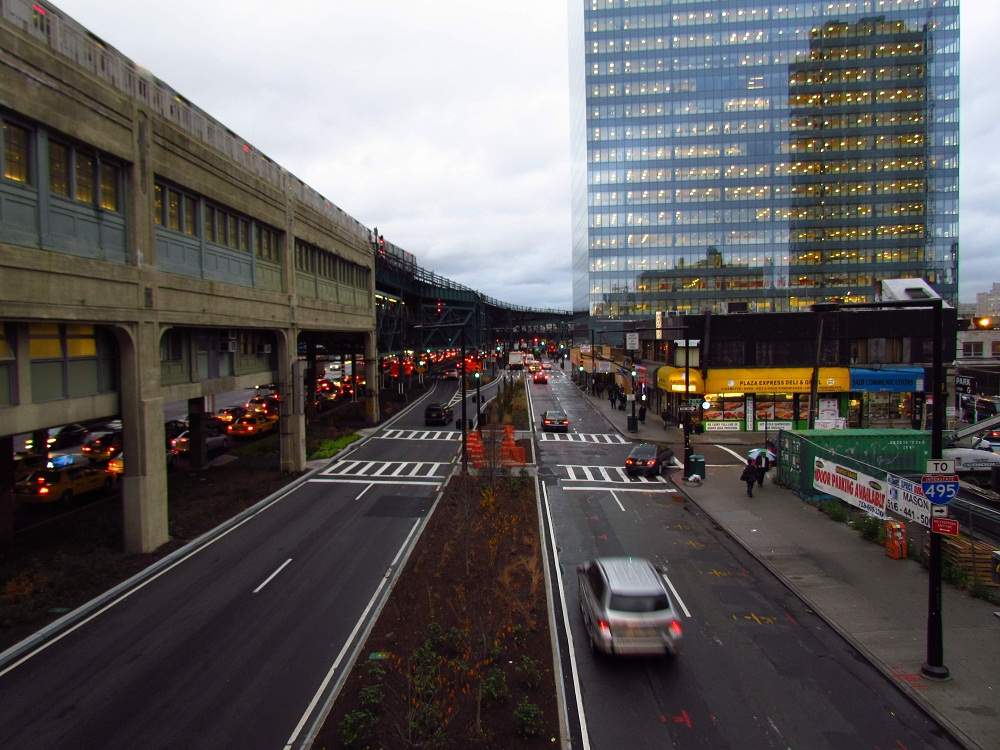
{"x":445,"y":122}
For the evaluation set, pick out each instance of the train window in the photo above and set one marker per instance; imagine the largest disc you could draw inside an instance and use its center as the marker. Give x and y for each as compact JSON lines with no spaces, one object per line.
{"x":59,"y":169}
{"x":15,"y":152}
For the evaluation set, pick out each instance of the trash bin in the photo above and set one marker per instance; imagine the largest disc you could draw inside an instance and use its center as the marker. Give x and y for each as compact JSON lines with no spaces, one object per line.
{"x":697,"y":465}
{"x":996,"y":566}
{"x":633,"y":423}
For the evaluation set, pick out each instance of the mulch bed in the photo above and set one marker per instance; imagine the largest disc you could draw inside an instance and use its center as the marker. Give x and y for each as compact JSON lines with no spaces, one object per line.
{"x":460,"y":656}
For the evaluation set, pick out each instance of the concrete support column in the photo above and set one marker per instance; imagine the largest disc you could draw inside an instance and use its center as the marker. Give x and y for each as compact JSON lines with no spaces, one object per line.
{"x":292,"y":425}
{"x":371,"y":379}
{"x":144,"y":486}
{"x":6,"y":490}
{"x":198,"y":455}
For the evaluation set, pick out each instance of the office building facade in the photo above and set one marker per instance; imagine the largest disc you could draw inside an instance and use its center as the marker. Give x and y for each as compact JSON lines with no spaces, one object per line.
{"x":761,"y":155}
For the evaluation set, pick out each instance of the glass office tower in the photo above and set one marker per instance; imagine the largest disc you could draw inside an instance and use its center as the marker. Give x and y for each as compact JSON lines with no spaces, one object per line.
{"x":763,"y":156}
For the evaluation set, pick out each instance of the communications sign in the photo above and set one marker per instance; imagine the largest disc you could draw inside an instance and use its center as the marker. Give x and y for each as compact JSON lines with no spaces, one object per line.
{"x":948,"y":526}
{"x":854,"y":487}
{"x":939,"y":488}
{"x":906,"y":499}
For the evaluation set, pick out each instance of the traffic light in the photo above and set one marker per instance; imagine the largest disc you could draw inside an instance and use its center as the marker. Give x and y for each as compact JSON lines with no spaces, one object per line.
{"x":476,"y":374}
{"x":581,"y":368}
{"x":634,"y":373}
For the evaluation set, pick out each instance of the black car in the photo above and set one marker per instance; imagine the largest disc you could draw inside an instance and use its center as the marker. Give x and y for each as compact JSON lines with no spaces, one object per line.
{"x":68,"y":436}
{"x":555,"y":420}
{"x":438,"y":414}
{"x":649,"y":460}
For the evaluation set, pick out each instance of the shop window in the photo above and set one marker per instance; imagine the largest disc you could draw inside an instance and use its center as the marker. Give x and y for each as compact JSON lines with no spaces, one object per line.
{"x":59,"y":169}
{"x":778,"y":408}
{"x":727,"y":409}
{"x":109,"y":186}
{"x":84,"y":188}
{"x":15,"y":153}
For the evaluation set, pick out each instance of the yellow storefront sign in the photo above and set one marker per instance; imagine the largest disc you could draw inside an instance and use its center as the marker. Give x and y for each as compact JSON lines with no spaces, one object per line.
{"x":671,"y":380}
{"x":777,"y":380}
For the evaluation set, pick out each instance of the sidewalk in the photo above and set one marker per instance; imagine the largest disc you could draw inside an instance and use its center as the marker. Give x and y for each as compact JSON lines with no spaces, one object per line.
{"x":878,"y":604}
{"x":654,"y":429}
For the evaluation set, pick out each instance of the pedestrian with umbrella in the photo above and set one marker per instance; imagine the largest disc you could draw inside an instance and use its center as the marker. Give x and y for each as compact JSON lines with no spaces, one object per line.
{"x":749,"y":476}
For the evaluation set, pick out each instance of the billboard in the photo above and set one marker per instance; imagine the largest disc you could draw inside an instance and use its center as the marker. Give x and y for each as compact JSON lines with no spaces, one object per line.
{"x":854,"y":487}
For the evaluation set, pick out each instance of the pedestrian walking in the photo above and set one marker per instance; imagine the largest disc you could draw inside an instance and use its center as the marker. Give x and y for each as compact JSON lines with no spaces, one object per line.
{"x":749,"y":476}
{"x":761,"y":470}
{"x":642,"y":413}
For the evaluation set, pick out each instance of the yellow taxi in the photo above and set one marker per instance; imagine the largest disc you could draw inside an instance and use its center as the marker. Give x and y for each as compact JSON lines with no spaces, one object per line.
{"x":251,"y":425}
{"x":62,"y":484}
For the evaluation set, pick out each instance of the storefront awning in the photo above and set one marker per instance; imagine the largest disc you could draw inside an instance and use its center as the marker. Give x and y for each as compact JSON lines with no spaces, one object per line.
{"x":671,"y":380}
{"x":777,"y":380}
{"x":888,"y":380}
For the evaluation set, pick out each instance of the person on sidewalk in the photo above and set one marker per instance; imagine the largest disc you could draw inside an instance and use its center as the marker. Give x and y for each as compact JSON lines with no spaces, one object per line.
{"x":749,"y":476}
{"x":761,"y":469}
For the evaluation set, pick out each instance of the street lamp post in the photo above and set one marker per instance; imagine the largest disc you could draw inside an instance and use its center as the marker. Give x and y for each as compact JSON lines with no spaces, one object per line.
{"x":465,"y":424}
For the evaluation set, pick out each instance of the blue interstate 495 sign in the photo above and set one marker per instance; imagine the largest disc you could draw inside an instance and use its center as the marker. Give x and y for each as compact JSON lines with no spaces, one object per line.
{"x":939,"y":488}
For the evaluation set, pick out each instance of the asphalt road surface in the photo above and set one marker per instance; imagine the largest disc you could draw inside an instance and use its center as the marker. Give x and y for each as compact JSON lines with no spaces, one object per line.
{"x":757,"y":669}
{"x":238,"y":644}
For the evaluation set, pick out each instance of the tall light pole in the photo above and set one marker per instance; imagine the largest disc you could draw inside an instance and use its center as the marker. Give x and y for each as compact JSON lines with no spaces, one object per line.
{"x":465,"y":423}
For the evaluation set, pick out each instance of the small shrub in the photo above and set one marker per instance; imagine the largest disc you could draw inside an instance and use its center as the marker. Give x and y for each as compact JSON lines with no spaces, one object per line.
{"x":951,"y":573}
{"x":370,"y":696}
{"x":528,"y":718}
{"x":529,"y":672}
{"x":835,"y":510}
{"x":518,"y":634}
{"x":356,"y":727}
{"x":494,"y":686}
{"x":870,"y":528}
{"x":327,"y":448}
{"x":375,"y":670}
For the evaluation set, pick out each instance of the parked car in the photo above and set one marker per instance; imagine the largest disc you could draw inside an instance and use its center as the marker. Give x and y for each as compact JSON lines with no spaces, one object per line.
{"x":540,"y":377}
{"x":62,"y":484}
{"x":554,"y":420}
{"x":626,"y":607}
{"x":648,"y":459}
{"x":172,"y":428}
{"x":440,"y":414}
{"x":251,"y":425}
{"x":103,"y":445}
{"x":216,"y":439}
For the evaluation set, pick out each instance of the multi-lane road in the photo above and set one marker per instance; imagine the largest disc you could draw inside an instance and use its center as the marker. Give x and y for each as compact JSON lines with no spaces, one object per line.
{"x":239,"y":643}
{"x":757,"y":669}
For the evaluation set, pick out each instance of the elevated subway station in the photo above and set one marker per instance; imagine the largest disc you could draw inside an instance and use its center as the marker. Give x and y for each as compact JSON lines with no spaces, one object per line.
{"x":149,"y":255}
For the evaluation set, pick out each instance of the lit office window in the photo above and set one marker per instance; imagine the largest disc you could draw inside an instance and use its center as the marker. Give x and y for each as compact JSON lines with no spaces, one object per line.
{"x":84,"y":192}
{"x":15,"y":153}
{"x":190,"y":209}
{"x":109,"y":186}
{"x":59,"y":169}
{"x":158,"y":204}
{"x":174,"y":210}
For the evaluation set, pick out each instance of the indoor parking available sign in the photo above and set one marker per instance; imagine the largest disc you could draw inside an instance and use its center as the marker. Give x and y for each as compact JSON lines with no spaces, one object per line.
{"x":854,"y":487}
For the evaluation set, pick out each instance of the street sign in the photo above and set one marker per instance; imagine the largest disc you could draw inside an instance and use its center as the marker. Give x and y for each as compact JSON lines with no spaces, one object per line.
{"x":939,"y":511}
{"x":941,"y":466}
{"x":939,"y":488}
{"x":584,"y":348}
{"x":965,"y":384}
{"x":948,"y":526}
{"x":906,"y":499}
{"x":632,"y":342}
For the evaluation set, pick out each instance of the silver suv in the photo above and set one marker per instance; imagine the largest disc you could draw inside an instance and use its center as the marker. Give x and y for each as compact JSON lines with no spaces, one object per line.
{"x":626,"y":607}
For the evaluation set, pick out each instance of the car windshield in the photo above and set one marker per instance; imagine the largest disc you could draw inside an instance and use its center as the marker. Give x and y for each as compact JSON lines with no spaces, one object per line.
{"x":643,"y":451}
{"x":555,"y":415}
{"x":633,"y":603}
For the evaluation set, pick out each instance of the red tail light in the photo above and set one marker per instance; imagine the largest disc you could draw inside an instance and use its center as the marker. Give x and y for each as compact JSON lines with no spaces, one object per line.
{"x":40,"y":480}
{"x":604,"y":627}
{"x":675,"y":628}
{"x":629,"y":461}
{"x":43,"y":490}
{"x":250,"y":428}
{"x":651,"y":462}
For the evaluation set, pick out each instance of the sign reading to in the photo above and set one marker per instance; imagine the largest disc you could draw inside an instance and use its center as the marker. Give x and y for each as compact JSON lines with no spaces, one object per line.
{"x":854,"y":487}
{"x":632,"y":342}
{"x":906,"y":499}
{"x":939,"y":488}
{"x":941,"y":466}
{"x":948,"y":526}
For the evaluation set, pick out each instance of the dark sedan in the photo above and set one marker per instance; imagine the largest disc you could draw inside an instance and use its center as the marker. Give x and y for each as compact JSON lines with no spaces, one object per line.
{"x":439,"y":414}
{"x":648,"y":459}
{"x":554,"y":420}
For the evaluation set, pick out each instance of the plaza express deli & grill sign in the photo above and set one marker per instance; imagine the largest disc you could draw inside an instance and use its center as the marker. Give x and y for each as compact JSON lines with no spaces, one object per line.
{"x":860,"y":490}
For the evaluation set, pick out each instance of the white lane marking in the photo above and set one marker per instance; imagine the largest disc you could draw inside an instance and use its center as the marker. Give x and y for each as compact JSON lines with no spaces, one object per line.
{"x":597,"y":488}
{"x":742,"y":459}
{"x":268,"y":579}
{"x":676,"y":595}
{"x":604,"y":473}
{"x":340,"y":657}
{"x":382,"y":469}
{"x":364,"y":490}
{"x":400,"y":482}
{"x":145,"y":583}
{"x":569,"y":632}
{"x":617,"y":500}
{"x":586,"y":470}
{"x":398,"y":469}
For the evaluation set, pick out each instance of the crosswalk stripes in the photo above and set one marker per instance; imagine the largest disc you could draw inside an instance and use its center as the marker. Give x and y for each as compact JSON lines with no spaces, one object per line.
{"x":387,"y":470}
{"x":420,"y":435}
{"x":582,"y":437}
{"x":610,"y":474}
